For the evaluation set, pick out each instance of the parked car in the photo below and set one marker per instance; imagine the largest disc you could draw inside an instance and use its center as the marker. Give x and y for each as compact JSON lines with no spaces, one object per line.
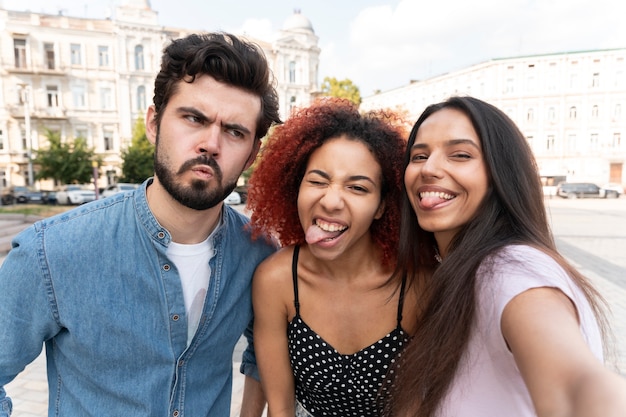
{"x":584,"y":190}
{"x":118,"y":188}
{"x":242,"y":190}
{"x":49,"y":197}
{"x":613,"y":190}
{"x":75,"y":194}
{"x":233,"y":198}
{"x":21,"y":194}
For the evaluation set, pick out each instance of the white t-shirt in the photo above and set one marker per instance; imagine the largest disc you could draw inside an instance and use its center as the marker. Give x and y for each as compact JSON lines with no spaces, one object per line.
{"x":488,"y":383}
{"x":192,"y":262}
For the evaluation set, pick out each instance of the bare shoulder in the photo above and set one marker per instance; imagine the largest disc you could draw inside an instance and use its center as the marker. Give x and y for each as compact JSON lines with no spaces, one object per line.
{"x":277,"y":267}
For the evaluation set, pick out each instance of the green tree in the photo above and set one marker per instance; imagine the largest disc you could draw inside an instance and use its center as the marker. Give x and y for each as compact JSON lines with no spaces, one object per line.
{"x":139,"y":157}
{"x":66,"y":162}
{"x":342,"y":89}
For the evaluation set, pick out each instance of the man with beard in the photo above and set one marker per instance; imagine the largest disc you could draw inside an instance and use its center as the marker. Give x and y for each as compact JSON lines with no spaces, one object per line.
{"x":140,"y":298}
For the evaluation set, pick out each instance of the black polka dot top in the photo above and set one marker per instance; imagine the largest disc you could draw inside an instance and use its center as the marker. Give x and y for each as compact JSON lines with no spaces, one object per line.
{"x":331,"y":384}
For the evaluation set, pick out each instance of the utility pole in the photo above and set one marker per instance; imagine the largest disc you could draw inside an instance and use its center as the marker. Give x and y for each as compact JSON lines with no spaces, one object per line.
{"x":25,"y":100}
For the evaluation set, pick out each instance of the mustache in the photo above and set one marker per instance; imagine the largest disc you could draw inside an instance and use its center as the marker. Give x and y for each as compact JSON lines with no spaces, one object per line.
{"x":201,"y":160}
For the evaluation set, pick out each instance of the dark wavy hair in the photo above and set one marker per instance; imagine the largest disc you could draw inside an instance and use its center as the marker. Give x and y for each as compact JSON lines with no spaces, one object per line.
{"x":275,"y":183}
{"x":227,"y":59}
{"x":512,"y":212}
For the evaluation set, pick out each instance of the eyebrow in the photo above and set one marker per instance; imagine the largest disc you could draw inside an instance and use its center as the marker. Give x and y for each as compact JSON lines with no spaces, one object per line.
{"x":350,"y":178}
{"x":450,"y":142}
{"x":204,"y":118}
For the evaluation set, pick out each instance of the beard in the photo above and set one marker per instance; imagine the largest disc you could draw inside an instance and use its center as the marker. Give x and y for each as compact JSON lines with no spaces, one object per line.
{"x":200,"y":194}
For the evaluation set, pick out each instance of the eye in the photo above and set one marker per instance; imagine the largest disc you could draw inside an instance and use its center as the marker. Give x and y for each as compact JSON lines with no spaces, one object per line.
{"x":418,"y":157}
{"x":461,"y":155}
{"x":358,"y":188}
{"x":315,"y":182}
{"x":236,"y":133}
{"x":193,"y":118}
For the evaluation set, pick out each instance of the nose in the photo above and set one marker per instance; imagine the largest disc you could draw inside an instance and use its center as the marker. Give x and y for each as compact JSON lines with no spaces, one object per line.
{"x":432,"y":167}
{"x":332,"y":198}
{"x":209,"y":142}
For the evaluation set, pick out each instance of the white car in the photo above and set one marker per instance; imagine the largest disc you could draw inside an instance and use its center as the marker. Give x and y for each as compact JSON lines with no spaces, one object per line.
{"x":612,"y":190}
{"x":233,"y":198}
{"x":118,"y":188}
{"x":75,"y":194}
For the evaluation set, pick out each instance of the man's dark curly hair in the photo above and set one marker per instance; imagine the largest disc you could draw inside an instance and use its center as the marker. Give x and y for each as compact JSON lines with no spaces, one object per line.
{"x":275,"y":182}
{"x":227,"y":59}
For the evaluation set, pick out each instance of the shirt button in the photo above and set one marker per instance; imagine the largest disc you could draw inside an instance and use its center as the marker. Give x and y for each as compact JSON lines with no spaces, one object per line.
{"x":160,"y":235}
{"x":166,"y":267}
{"x":175,"y":413}
{"x":181,"y":362}
{"x":175,"y":317}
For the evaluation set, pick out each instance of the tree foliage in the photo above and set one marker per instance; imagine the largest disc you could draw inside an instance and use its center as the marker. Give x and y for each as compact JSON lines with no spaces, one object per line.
{"x":341,"y":89}
{"x":138,"y":159}
{"x":66,"y":162}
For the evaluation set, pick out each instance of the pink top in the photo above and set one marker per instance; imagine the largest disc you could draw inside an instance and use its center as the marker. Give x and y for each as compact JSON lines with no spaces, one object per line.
{"x":488,"y":382}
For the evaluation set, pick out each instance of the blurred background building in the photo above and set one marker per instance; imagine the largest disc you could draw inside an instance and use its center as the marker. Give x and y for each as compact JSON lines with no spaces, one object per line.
{"x":570,"y":106}
{"x":93,"y":78}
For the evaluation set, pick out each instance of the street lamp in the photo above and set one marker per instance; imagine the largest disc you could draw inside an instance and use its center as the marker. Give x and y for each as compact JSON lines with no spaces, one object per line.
{"x":94,"y":166}
{"x":25,"y":98}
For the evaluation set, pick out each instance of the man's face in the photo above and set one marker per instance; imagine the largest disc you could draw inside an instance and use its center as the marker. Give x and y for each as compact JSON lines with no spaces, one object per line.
{"x":205,"y":140}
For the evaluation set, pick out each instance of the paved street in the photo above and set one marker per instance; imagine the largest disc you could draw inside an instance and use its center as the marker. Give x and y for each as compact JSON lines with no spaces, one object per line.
{"x":590,"y":233}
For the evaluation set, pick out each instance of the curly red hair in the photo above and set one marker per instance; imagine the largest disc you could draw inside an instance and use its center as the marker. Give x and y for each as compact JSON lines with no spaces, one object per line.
{"x":274,"y":184}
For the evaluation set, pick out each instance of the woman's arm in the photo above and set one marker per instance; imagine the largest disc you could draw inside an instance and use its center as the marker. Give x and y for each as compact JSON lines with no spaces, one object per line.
{"x":271,"y":291}
{"x":563,"y":376}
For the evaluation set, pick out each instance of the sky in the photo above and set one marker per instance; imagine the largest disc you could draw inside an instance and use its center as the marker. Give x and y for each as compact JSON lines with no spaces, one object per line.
{"x":384,"y":44}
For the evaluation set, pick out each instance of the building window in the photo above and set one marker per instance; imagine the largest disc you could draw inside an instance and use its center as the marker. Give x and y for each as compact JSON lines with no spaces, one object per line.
{"x":108,"y":140}
{"x":617,"y":140}
{"x":19,"y":46}
{"x":572,"y":112}
{"x":571,"y":144}
{"x":52,"y":93}
{"x":139,"y":57}
{"x":76,"y":56}
{"x":106,"y":98}
{"x":1,"y":140}
{"x":49,"y":58}
{"x":551,"y":114}
{"x":103,"y":56}
{"x":530,"y":115}
{"x":594,"y":111}
{"x":292,"y":103}
{"x":78,"y":95}
{"x":530,"y":83}
{"x":24,"y":141}
{"x":292,"y":71}
{"x":80,"y":133}
{"x":595,"y":79}
{"x":141,"y":97}
{"x":593,"y":142}
{"x":510,"y":85}
{"x":550,"y":143}
{"x":573,"y":80}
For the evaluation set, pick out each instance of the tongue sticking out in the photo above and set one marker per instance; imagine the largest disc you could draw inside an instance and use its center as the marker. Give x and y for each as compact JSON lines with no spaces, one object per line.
{"x":430,"y":202}
{"x":315,"y":234}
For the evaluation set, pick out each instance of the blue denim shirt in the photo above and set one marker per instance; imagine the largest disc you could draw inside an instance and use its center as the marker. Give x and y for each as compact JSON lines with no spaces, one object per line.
{"x":95,"y":285}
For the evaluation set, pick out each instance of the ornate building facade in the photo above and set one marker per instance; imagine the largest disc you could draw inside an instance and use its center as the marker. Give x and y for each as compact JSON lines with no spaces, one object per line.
{"x":93,"y":78}
{"x":571,"y":106}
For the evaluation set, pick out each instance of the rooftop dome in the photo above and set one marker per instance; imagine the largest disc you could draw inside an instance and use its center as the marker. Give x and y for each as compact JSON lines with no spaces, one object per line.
{"x":298,"y":21}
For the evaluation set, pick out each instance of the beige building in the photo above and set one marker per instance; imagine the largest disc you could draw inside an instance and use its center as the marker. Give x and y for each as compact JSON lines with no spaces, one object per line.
{"x":93,"y":78}
{"x":571,"y":106}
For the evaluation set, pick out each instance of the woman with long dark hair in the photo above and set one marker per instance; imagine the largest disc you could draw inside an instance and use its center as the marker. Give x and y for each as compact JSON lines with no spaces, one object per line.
{"x":507,"y":327}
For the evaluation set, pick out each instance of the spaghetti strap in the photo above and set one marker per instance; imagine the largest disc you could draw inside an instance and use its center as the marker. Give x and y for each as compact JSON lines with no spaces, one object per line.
{"x":400,"y":301}
{"x":294,"y":274}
